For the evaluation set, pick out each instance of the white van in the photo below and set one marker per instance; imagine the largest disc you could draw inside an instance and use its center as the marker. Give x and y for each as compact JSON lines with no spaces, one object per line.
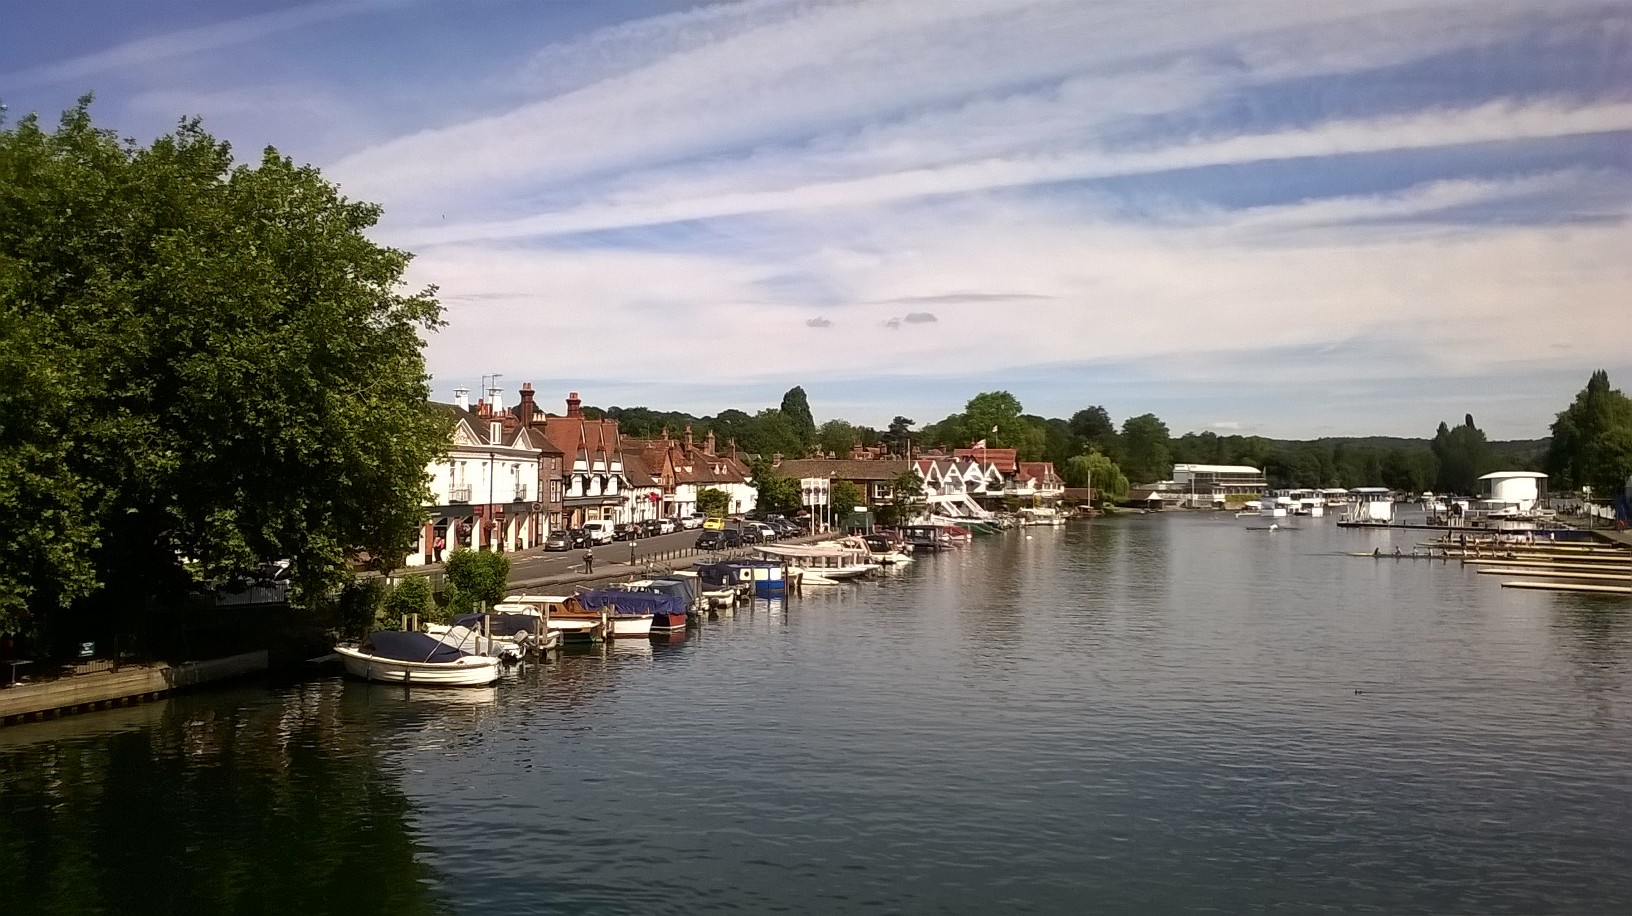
{"x":599,"y":532}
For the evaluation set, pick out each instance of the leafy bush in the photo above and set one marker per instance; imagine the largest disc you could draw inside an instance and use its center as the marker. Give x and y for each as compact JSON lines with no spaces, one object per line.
{"x":478,"y":576}
{"x":359,"y":605}
{"x":411,"y":596}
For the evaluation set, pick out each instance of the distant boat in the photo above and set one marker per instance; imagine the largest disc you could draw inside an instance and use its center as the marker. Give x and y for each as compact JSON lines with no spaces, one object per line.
{"x":395,"y":657}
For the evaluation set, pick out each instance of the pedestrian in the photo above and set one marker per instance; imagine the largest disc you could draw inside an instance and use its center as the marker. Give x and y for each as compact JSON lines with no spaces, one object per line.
{"x":589,"y":560}
{"x":439,"y":545}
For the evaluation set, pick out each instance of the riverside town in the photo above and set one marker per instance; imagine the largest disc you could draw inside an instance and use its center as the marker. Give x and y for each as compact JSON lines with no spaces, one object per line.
{"x":816,"y":458}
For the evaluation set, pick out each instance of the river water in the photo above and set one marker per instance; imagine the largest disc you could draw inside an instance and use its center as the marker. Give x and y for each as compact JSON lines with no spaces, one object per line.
{"x":1150,"y":714}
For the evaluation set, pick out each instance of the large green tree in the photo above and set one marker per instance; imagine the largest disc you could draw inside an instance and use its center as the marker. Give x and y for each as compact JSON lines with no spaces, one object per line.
{"x":1463,"y":455}
{"x":1592,"y":440}
{"x":1144,"y":454}
{"x":796,"y":407}
{"x":205,"y":365}
{"x":1097,"y":471}
{"x":835,"y":437}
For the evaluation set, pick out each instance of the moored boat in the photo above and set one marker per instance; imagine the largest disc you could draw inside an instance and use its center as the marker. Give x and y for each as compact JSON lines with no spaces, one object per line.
{"x":396,"y":657}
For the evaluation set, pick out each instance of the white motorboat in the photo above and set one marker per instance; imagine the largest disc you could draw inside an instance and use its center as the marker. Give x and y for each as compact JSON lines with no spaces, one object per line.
{"x":513,"y":630}
{"x":395,"y":657}
{"x":835,"y":560}
{"x":1040,"y":517}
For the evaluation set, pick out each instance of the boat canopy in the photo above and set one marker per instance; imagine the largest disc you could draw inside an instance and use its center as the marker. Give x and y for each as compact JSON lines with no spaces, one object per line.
{"x":503,"y":624}
{"x":623,"y":601}
{"x":684,"y":589}
{"x":813,"y":551}
{"x":411,"y":647}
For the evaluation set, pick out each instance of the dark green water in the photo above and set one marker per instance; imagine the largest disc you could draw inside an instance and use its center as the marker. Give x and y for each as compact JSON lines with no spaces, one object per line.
{"x":1160,"y":714}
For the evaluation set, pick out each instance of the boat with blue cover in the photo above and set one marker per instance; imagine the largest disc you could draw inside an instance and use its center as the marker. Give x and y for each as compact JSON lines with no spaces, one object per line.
{"x":396,"y":657}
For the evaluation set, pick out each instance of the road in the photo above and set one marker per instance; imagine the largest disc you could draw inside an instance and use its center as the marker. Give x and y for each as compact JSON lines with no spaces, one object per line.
{"x":536,"y":563}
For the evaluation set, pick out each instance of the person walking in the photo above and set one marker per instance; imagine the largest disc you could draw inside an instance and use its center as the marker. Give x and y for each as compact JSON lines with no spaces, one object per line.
{"x":589,"y":560}
{"x":440,"y":544}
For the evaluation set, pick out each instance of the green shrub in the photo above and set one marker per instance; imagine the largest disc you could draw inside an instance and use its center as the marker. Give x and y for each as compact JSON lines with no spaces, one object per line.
{"x":479,"y":575}
{"x":358,"y":606}
{"x":411,"y":596}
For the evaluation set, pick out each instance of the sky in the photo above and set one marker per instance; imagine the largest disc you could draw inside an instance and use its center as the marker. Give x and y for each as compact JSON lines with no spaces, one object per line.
{"x":1289,"y":218}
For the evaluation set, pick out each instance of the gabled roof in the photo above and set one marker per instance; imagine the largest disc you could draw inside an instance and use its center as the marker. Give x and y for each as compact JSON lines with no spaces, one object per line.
{"x":1038,"y":470}
{"x":636,"y":471}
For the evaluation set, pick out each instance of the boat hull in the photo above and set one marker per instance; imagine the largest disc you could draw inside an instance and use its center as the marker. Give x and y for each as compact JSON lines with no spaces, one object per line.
{"x":471,"y":671}
{"x":668,"y":623}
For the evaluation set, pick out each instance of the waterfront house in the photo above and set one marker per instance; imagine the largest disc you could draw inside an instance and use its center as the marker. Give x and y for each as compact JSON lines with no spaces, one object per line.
{"x":871,"y":475}
{"x":682,"y":467}
{"x":484,"y":490}
{"x":592,"y":477}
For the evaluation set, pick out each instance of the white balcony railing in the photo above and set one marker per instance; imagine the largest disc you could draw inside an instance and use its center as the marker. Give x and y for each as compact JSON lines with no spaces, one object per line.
{"x":521,"y":492}
{"x":459,"y":493}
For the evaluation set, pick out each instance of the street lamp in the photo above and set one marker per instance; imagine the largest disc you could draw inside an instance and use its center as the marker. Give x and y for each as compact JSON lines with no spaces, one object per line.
{"x":490,"y":385}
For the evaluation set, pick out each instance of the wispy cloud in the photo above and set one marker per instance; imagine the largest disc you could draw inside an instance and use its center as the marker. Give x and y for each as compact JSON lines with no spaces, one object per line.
{"x":818,"y":323}
{"x":156,"y":49}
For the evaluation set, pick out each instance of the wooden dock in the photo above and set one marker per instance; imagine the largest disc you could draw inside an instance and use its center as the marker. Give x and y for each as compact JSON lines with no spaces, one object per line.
{"x":104,"y":689}
{"x":1571,"y":587}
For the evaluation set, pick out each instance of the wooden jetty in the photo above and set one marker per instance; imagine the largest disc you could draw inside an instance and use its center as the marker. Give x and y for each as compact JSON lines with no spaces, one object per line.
{"x":1571,"y":587}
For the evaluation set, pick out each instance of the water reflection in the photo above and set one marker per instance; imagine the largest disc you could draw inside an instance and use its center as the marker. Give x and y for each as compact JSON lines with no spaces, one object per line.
{"x":197,"y":806}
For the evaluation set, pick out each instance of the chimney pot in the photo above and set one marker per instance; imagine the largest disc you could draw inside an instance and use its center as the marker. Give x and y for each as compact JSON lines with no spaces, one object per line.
{"x":574,"y":405}
{"x":461,"y":398}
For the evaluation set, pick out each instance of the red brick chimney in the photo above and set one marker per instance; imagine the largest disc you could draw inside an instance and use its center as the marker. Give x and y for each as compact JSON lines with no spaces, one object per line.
{"x":526,"y":409}
{"x":574,"y":406}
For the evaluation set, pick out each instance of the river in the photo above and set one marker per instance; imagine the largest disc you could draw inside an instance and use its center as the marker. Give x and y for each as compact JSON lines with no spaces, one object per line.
{"x":1164,"y":713}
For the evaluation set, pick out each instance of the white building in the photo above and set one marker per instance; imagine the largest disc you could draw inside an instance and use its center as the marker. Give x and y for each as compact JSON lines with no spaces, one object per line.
{"x":484,"y":491}
{"x":1207,"y":485}
{"x":1511,"y":492}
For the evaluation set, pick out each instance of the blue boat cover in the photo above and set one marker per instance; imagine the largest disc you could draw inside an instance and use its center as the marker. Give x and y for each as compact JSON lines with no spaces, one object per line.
{"x":628,"y":602}
{"x":503,"y":624}
{"x":410,"y":647}
{"x":679,"y":588}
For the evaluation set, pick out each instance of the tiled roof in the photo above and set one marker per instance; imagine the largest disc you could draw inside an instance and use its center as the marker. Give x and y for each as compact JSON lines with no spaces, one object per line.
{"x":637,"y":472}
{"x":1006,"y":459}
{"x":844,"y":469}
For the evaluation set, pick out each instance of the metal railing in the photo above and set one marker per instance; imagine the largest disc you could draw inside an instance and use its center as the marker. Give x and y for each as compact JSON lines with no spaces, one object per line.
{"x":459,"y":493}
{"x":521,"y":492}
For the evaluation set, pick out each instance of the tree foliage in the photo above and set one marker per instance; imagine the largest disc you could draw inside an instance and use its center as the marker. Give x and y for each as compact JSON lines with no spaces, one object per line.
{"x":844,"y":497}
{"x":1098,"y":471}
{"x":796,"y":407}
{"x":1592,"y":440}
{"x":479,"y":576}
{"x":836,"y":437}
{"x":906,"y":500}
{"x":202,"y":360}
{"x":775,"y":492}
{"x":412,"y":595}
{"x":713,"y":502}
{"x":1463,"y":455}
{"x":1144,"y":455}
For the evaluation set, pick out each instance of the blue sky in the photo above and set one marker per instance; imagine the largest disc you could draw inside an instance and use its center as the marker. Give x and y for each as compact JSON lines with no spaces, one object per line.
{"x":1289,"y":218}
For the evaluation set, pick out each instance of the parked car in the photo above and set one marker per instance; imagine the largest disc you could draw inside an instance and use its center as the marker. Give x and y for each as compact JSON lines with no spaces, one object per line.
{"x":667,"y":526}
{"x":784,"y":528}
{"x":625,"y":531}
{"x":755,"y":533}
{"x":692,"y":522}
{"x":651,"y":528}
{"x":558,"y":540}
{"x":711,"y":540}
{"x":579,"y":537}
{"x":600,"y":532}
{"x":732,"y":537}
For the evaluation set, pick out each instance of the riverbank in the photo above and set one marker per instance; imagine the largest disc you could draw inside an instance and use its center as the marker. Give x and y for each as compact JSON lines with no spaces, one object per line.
{"x":119,"y":687}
